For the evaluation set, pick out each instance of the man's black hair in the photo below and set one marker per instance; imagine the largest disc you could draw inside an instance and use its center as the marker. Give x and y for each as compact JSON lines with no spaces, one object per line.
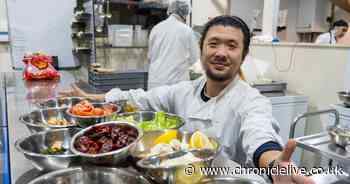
{"x":230,"y":21}
{"x":340,"y":23}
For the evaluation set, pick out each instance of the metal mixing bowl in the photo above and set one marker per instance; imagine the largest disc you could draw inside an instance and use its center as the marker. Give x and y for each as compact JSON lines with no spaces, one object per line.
{"x":143,"y":147}
{"x":177,"y":174}
{"x":109,"y":158}
{"x":36,"y":120}
{"x":91,"y":175}
{"x":141,"y":116}
{"x":33,"y":145}
{"x":62,"y":102}
{"x":85,"y":121}
{"x":228,"y":180}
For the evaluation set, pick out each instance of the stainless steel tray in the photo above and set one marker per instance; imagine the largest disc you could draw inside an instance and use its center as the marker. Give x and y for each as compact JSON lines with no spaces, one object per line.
{"x":275,"y":86}
{"x":321,"y":144}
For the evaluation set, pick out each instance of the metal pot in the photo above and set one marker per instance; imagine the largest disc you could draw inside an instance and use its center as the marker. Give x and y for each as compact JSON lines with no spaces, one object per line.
{"x":91,"y":175}
{"x":109,"y":158}
{"x":32,"y":146}
{"x":228,"y":180}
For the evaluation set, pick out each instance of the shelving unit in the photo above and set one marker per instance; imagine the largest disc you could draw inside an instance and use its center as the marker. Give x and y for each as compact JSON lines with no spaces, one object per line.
{"x":97,"y":34}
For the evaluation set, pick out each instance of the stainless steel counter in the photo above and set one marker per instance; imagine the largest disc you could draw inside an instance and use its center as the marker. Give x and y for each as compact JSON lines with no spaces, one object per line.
{"x":20,"y":98}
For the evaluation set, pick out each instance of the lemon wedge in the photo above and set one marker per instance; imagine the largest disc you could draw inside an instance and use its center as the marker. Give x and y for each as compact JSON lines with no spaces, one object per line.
{"x":166,"y":137}
{"x":199,"y":140}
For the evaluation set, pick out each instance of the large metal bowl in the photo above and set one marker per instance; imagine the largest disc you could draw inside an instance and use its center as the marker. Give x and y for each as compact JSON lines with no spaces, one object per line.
{"x":92,"y":175}
{"x":344,"y":97}
{"x":36,"y":120}
{"x":85,"y":121}
{"x":179,"y":173}
{"x":143,"y":147}
{"x":32,"y":146}
{"x":62,"y":102}
{"x":110,"y":158}
{"x":141,"y":116}
{"x":228,"y":180}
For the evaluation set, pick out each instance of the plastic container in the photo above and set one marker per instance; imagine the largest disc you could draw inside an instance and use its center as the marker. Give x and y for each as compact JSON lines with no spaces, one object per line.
{"x":120,"y":35}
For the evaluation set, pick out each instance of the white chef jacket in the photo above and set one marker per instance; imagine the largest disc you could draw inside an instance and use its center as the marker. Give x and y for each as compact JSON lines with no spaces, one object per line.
{"x":240,"y":117}
{"x":173,"y":48}
{"x":326,"y":38}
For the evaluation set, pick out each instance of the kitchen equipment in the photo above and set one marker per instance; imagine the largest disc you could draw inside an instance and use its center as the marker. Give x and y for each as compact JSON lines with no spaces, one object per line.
{"x":274,"y":86}
{"x":85,"y":121}
{"x":152,"y":166}
{"x":143,"y":147}
{"x":344,"y":97}
{"x":339,"y":136}
{"x":91,"y":175}
{"x":228,"y":180}
{"x":120,"y":35}
{"x":33,"y":145}
{"x":108,"y":158}
{"x":141,"y":116}
{"x":123,"y":80}
{"x":36,"y":120}
{"x":62,"y":102}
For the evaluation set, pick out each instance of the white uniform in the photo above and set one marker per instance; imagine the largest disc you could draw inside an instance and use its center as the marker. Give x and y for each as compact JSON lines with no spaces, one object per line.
{"x":239,"y":116}
{"x":172,"y":50}
{"x":326,"y":38}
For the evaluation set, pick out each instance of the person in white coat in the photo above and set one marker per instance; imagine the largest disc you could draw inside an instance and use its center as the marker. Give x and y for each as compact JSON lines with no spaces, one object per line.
{"x":221,"y":104}
{"x":338,"y":30}
{"x":173,"y":48}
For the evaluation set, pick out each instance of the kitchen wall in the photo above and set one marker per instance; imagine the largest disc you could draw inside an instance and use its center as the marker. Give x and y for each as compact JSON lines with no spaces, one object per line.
{"x":203,"y":9}
{"x":3,"y":16}
{"x":317,"y":71}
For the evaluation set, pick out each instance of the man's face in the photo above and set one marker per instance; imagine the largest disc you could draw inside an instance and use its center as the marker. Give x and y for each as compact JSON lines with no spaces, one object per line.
{"x":340,"y":31}
{"x":222,"y":52}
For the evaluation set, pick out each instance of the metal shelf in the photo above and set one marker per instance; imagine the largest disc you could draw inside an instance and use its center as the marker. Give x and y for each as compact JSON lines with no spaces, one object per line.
{"x":321,"y":144}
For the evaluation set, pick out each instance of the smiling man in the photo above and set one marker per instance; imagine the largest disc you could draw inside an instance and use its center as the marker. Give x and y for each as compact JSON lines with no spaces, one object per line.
{"x":221,"y":104}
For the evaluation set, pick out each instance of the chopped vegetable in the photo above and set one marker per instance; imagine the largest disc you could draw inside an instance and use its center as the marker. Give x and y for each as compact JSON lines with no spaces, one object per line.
{"x":53,"y":150}
{"x":160,"y":122}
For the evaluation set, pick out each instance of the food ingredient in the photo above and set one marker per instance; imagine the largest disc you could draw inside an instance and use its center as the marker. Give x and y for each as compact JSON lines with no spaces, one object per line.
{"x":106,"y":138}
{"x":182,"y":160}
{"x":55,"y":149}
{"x":85,"y":108}
{"x":169,"y":142}
{"x":160,"y":122}
{"x":200,"y":140}
{"x":58,"y":122}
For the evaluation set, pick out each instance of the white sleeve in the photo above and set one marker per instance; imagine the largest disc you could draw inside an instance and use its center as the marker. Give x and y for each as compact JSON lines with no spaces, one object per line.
{"x":193,"y":48}
{"x":156,"y":99}
{"x":258,"y":126}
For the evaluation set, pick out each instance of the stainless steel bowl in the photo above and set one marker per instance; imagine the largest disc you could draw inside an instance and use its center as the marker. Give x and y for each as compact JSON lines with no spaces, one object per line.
{"x":36,"y":120}
{"x":176,"y":174}
{"x":92,"y":175}
{"x":109,"y":158}
{"x":141,"y":116}
{"x":344,"y":97}
{"x":32,"y":146}
{"x":228,"y":180}
{"x":62,"y":102}
{"x":339,"y":136}
{"x":143,"y":147}
{"x":85,"y":121}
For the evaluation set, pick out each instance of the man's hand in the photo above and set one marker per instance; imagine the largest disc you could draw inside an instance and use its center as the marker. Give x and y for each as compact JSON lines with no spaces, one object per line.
{"x":284,"y":161}
{"x":77,"y":92}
